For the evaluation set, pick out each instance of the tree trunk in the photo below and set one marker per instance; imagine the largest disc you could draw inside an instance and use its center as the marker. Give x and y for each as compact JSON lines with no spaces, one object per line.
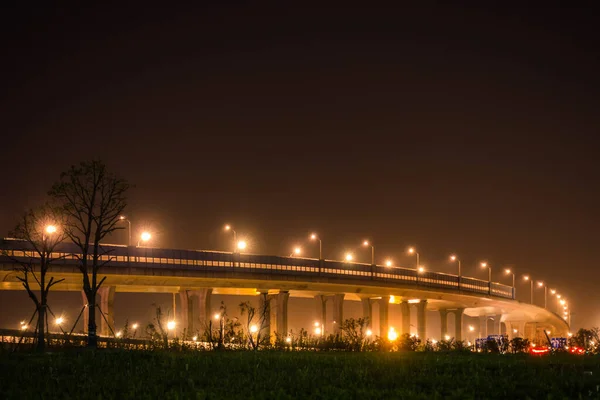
{"x":92,"y":338}
{"x":40,"y":333}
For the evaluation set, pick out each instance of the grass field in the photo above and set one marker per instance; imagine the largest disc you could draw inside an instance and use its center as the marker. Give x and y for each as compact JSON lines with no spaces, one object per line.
{"x":284,"y":375}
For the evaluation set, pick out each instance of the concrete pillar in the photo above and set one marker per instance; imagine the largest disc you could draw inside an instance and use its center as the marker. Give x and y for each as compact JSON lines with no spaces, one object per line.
{"x":509,"y":329}
{"x":201,"y":309}
{"x":384,"y":306}
{"x":186,"y":319}
{"x":458,"y":323}
{"x":321,"y":309}
{"x":497,"y":324}
{"x":264,"y":314}
{"x":279,"y":313}
{"x":86,"y":315}
{"x":367,"y":310}
{"x":338,"y":312}
{"x":405,"y":310}
{"x":107,"y":306}
{"x":443,"y":323}
{"x":483,"y":326}
{"x":422,"y":319}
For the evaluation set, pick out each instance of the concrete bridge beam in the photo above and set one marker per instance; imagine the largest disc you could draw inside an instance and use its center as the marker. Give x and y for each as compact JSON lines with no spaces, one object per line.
{"x":384,"y":307}
{"x":107,"y":306}
{"x":279,"y":313}
{"x":422,"y":319}
{"x":201,"y":311}
{"x":338,"y":312}
{"x":458,"y":323}
{"x":443,"y":323}
{"x":405,"y":310}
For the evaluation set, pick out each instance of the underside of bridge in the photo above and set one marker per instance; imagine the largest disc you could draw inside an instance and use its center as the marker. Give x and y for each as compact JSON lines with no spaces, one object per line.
{"x":195,"y":293}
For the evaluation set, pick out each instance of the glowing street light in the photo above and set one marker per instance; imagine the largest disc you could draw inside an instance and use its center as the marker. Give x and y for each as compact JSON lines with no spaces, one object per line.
{"x":366,"y":243}
{"x":144,"y":237}
{"x":392,"y":334}
{"x":388,"y":263}
{"x":171,"y":325}
{"x":508,"y":271}
{"x":119,"y":334}
{"x":318,"y":331}
{"x":253,"y":329}
{"x":50,"y":229}
{"x":412,"y":250}
{"x":288,"y":339}
{"x":314,"y":236}
{"x":369,"y":332}
{"x":527,"y":278}
{"x":241,"y":245}
{"x":134,"y":326}
{"x":296,"y":252}
{"x":421,"y":269}
{"x":217,"y":316}
{"x":124,"y":218}
{"x":59,"y":321}
{"x":484,"y":264}
{"x":349,"y":257}
{"x":454,"y":258}
{"x":541,"y":284}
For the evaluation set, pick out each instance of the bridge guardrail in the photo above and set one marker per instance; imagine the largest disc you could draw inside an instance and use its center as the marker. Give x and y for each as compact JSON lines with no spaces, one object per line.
{"x":122,"y":256}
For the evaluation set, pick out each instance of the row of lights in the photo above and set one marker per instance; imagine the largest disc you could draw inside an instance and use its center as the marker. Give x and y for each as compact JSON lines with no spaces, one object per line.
{"x":241,"y":245}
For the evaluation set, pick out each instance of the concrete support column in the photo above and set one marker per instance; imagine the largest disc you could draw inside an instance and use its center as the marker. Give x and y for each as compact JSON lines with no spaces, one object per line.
{"x":201,"y":309}
{"x":458,"y":323}
{"x":405,"y":310}
{"x":338,"y":312}
{"x":186,"y":319}
{"x":321,"y":310}
{"x":86,"y":315}
{"x":509,"y":329}
{"x":384,"y":307}
{"x":483,"y":326}
{"x":279,"y":313}
{"x":367,"y":310}
{"x":264,"y":314}
{"x":498,"y":324}
{"x":422,"y":319}
{"x":443,"y":323}
{"x":107,"y":306}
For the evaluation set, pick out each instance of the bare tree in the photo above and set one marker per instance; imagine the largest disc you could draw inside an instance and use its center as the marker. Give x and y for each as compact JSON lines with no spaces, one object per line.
{"x":92,"y":198}
{"x":263,"y":316}
{"x":41,"y":232}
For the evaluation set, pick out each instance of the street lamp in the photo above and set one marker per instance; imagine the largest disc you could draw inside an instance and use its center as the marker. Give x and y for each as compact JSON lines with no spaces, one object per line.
{"x":349,"y":257}
{"x":229,"y":228}
{"x":367,"y":244}
{"x":50,"y":229}
{"x":241,"y":245}
{"x":508,"y":271}
{"x":314,"y":236}
{"x":124,"y":218}
{"x":527,"y":278}
{"x":540,"y":284}
{"x":412,"y":250}
{"x":454,"y":258}
{"x":489,"y":267}
{"x":171,"y":325}
{"x":144,"y":237}
{"x":388,"y":263}
{"x":296,"y":251}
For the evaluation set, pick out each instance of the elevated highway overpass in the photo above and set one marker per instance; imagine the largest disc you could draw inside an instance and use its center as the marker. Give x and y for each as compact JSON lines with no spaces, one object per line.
{"x":195,"y":275}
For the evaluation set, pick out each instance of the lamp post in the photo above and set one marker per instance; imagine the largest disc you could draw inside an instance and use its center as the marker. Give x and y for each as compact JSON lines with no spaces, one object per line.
{"x":527,"y":278}
{"x":367,"y":244}
{"x":454,"y":258}
{"x":412,"y":250}
{"x":235,"y":242}
{"x":314,"y":236}
{"x":540,"y":284}
{"x":489,"y":267}
{"x":124,"y":218}
{"x":508,"y":271}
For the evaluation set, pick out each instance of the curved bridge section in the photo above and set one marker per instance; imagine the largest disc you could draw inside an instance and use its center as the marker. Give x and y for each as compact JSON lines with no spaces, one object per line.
{"x":196,"y":274}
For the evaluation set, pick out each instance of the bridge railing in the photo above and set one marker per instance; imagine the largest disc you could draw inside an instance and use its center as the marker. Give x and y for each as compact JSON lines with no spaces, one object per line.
{"x":132,"y":257}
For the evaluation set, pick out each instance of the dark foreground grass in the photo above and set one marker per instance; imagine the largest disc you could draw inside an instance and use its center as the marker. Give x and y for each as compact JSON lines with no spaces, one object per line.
{"x":280,"y":375}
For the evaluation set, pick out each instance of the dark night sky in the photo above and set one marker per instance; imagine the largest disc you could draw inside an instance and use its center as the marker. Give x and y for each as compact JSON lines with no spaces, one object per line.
{"x":457,"y":129}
